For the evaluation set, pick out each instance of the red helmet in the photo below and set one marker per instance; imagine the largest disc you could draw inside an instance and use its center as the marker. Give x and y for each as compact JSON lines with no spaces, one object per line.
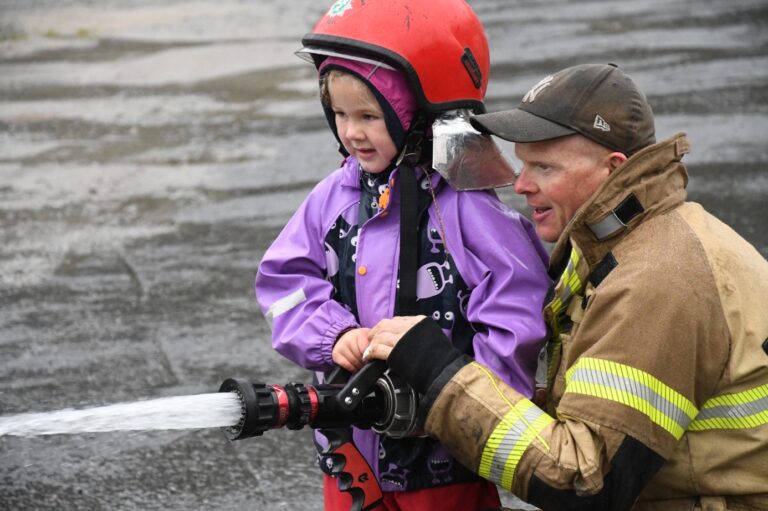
{"x":439,"y":45}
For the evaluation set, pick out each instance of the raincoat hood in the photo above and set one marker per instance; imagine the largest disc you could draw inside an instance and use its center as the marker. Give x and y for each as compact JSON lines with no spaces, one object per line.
{"x":390,"y":87}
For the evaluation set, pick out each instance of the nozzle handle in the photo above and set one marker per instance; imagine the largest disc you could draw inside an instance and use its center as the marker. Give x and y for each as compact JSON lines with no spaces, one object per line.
{"x":338,"y":375}
{"x":359,"y":384}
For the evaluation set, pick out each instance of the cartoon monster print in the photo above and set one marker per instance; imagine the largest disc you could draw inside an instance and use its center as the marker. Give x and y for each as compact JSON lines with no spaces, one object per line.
{"x":432,"y":278}
{"x":440,"y":465}
{"x":395,"y":478}
{"x":331,"y":262}
{"x":434,"y":238}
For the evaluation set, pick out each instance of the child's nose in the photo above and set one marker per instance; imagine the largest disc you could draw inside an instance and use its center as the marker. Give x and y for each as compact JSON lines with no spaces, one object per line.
{"x":355,"y":131}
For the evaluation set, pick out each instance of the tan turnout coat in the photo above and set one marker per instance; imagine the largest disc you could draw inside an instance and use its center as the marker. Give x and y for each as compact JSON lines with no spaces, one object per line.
{"x":668,"y":319}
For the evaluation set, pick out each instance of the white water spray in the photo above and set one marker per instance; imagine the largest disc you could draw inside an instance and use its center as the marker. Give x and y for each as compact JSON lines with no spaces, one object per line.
{"x":220,"y":409}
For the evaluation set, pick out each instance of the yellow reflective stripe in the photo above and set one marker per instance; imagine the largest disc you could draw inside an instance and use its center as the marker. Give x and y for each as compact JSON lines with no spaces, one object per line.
{"x":752,"y":421}
{"x":746,"y":396}
{"x":556,"y":305}
{"x":570,"y":277}
{"x":574,"y":282}
{"x":511,"y":437}
{"x":633,"y":388}
{"x":741,"y":410}
{"x":509,"y":440}
{"x":568,"y":285}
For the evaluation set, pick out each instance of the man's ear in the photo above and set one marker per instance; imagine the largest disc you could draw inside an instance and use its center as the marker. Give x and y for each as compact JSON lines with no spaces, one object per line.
{"x":615,"y":160}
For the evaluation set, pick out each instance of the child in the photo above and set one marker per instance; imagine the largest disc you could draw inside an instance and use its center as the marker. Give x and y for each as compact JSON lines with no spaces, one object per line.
{"x":333,"y":272}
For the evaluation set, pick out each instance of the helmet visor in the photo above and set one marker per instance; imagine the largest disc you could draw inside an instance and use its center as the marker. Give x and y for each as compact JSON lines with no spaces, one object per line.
{"x":307,"y":52}
{"x":466,"y":158}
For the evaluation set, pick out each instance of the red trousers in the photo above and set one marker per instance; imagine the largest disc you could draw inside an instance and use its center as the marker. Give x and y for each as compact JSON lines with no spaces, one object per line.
{"x":475,"y":496}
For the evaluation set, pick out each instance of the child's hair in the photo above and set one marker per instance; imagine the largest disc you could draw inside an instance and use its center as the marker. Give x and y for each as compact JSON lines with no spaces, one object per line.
{"x":325,"y":94}
{"x":334,"y":74}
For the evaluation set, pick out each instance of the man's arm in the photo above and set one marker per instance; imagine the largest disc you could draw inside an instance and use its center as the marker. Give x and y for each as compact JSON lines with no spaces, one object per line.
{"x":562,"y":463}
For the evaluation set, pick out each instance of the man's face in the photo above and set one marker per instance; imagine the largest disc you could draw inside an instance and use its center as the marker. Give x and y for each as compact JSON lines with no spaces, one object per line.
{"x":557,"y":177}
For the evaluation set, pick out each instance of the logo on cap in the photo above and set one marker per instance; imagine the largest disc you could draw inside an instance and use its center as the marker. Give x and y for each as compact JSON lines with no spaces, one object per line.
{"x":530,"y":96}
{"x":601,"y":124}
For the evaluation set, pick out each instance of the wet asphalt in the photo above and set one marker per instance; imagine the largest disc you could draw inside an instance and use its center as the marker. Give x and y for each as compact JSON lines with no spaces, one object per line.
{"x":150,"y":153}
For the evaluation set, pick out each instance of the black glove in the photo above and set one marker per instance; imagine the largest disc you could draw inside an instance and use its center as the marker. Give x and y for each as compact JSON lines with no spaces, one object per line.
{"x":422,"y":354}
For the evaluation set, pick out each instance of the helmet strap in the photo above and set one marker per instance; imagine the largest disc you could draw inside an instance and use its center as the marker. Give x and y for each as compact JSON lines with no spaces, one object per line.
{"x":412,"y":148}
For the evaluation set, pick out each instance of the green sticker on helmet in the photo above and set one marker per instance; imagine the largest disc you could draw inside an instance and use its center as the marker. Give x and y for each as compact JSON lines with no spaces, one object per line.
{"x":339,"y":7}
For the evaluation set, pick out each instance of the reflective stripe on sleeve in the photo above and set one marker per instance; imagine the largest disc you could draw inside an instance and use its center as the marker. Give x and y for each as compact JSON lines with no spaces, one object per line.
{"x":285,"y":304}
{"x":633,"y":388}
{"x":740,"y":410}
{"x":510,"y":439}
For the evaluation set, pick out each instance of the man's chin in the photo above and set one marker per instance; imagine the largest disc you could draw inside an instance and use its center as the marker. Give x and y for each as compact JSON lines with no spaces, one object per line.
{"x":547,"y":234}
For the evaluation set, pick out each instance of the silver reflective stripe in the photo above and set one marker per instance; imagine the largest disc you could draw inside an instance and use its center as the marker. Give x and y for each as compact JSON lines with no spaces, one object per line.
{"x":510,"y":443}
{"x":741,"y":410}
{"x":658,"y":403}
{"x":285,"y":304}
{"x":607,"y":226}
{"x":734,"y":411}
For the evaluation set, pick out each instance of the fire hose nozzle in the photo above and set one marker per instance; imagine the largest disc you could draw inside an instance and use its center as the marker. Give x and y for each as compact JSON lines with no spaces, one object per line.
{"x":370,"y":399}
{"x":259,"y":408}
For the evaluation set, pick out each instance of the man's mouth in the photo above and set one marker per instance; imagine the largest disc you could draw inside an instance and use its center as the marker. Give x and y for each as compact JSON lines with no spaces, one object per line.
{"x":539,"y":213}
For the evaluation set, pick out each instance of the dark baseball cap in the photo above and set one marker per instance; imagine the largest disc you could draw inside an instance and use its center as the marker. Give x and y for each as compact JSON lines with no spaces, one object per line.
{"x":598,"y":101}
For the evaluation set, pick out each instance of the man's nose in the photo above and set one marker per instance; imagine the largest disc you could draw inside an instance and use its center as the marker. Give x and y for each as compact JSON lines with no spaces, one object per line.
{"x":524,"y":184}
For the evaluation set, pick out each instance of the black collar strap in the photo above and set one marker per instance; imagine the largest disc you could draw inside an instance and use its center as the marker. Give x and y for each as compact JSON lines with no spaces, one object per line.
{"x":409,"y":240}
{"x":409,"y":217}
{"x":617,"y":219}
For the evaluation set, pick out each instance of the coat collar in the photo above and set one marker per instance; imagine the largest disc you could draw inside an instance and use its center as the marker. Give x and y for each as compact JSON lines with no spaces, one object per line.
{"x":649,"y":183}
{"x":352,"y":174}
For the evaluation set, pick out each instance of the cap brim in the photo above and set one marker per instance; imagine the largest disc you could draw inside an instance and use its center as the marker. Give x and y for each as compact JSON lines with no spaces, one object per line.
{"x":519,"y":126}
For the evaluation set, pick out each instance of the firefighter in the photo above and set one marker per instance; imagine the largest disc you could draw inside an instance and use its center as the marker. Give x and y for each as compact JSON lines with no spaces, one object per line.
{"x":656,"y":394}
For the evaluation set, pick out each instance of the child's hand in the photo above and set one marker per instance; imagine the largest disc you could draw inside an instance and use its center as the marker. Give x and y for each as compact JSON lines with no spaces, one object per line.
{"x":348,"y":350}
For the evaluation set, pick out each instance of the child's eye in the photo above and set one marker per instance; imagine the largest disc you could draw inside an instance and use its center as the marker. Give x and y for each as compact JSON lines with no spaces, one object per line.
{"x":341,"y":115}
{"x":370,"y":117}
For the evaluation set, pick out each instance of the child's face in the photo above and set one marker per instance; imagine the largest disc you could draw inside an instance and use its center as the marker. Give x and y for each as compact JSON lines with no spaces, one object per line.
{"x":360,"y":123}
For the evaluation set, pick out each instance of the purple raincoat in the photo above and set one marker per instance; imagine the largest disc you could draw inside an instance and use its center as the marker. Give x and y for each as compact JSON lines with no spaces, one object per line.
{"x":495,"y":251}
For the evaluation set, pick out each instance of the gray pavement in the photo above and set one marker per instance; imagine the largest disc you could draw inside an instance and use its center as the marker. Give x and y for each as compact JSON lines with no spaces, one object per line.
{"x":150,"y":152}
